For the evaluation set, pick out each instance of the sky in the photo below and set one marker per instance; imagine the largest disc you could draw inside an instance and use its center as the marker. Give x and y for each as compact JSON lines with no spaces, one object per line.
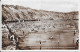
{"x":50,"y":5}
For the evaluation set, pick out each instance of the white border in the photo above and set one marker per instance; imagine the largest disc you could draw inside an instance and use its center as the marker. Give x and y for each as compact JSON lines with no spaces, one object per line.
{"x":77,"y":1}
